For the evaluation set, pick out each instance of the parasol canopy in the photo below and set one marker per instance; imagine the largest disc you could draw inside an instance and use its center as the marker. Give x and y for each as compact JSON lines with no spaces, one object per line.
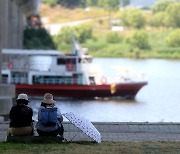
{"x":84,"y":125}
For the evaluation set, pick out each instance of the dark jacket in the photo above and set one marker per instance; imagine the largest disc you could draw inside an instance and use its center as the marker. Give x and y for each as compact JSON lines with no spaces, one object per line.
{"x":20,"y":116}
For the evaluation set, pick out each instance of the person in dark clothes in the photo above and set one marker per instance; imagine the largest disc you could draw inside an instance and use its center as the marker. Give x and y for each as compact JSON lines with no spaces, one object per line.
{"x":21,"y":123}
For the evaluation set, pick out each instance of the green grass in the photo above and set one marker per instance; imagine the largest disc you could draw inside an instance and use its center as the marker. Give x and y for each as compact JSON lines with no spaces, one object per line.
{"x":89,"y":147}
{"x":99,"y":47}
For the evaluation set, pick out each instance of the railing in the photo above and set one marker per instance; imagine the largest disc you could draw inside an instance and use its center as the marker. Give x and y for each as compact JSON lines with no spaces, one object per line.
{"x":57,"y":81}
{"x":20,"y":80}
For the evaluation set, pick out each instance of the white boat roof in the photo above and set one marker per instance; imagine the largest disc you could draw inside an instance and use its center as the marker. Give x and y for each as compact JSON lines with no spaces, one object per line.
{"x":31,"y":52}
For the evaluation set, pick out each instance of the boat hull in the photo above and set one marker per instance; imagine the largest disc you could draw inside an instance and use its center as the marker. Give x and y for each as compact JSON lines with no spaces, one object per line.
{"x":127,"y":90}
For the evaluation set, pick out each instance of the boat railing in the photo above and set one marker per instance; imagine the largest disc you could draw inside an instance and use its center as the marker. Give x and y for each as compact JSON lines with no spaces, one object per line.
{"x":20,"y":80}
{"x":4,"y":79}
{"x":58,"y":81}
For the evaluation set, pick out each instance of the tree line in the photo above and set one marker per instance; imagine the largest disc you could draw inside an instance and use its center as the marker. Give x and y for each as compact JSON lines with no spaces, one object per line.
{"x":86,"y":3}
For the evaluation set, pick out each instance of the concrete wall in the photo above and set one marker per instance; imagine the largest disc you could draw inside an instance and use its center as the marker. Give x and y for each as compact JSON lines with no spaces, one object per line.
{"x":7,"y":93}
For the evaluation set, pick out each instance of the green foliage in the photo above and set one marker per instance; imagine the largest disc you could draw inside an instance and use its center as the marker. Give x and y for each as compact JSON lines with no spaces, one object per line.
{"x":173,"y":12}
{"x":51,"y":3}
{"x":72,"y":3}
{"x":173,"y":40}
{"x":161,"y":5}
{"x":114,"y":38}
{"x":111,"y":5}
{"x":133,"y":18}
{"x":139,"y":40}
{"x":124,"y":3}
{"x":37,"y":39}
{"x":81,"y":33}
{"x":159,"y":20}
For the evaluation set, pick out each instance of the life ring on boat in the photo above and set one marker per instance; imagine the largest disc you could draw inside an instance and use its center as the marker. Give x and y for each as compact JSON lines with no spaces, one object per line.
{"x":70,"y":67}
{"x":103,"y":80}
{"x":10,"y":65}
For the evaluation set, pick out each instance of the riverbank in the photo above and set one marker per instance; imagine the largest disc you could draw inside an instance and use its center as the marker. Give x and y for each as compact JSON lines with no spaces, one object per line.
{"x":118,"y":132}
{"x":103,"y":41}
{"x":116,"y":138}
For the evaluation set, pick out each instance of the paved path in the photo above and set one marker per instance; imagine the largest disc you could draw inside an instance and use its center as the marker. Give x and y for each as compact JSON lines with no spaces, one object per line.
{"x":119,"y":132}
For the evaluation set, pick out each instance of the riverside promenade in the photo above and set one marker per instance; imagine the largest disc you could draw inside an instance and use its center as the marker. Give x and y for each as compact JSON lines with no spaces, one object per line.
{"x":118,"y":132}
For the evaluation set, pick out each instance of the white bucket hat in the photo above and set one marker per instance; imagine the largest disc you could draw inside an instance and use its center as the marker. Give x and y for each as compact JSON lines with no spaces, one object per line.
{"x":22,"y":96}
{"x":48,"y":99}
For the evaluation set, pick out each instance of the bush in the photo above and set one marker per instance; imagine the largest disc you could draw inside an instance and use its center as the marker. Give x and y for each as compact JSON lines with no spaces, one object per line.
{"x":173,"y":40}
{"x":51,"y":3}
{"x":114,"y":38}
{"x":174,"y":14}
{"x":81,"y":33}
{"x":160,"y":6}
{"x":139,"y":40}
{"x":133,"y":18}
{"x":159,"y":19}
{"x":37,"y":39}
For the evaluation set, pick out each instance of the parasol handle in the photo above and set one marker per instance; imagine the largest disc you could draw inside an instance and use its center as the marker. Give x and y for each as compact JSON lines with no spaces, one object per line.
{"x":74,"y":136}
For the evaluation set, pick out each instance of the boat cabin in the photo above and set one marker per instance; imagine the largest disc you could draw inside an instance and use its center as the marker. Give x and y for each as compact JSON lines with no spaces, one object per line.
{"x":45,"y":67}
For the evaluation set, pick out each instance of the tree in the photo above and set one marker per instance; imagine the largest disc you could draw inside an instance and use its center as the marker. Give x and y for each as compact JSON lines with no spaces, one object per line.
{"x":159,"y":19}
{"x":72,"y":3}
{"x":37,"y":39}
{"x":133,"y":18}
{"x":161,"y":5}
{"x":173,"y":12}
{"x":124,"y":3}
{"x":139,"y":40}
{"x":51,"y":3}
{"x":173,"y":40}
{"x":111,"y":5}
{"x":81,"y":33}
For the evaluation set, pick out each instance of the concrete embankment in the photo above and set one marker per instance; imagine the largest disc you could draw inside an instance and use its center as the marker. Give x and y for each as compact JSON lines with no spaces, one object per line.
{"x":118,"y":132}
{"x":7,"y":94}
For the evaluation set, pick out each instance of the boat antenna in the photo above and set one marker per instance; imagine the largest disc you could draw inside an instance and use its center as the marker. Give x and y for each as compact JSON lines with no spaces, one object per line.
{"x":77,"y":48}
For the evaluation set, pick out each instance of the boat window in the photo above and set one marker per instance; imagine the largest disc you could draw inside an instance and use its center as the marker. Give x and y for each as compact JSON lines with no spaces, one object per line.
{"x":91,"y":80}
{"x":5,"y":78}
{"x":71,"y":61}
{"x":89,"y":60}
{"x":86,"y":60}
{"x":54,"y":80}
{"x":19,"y":77}
{"x":60,"y":61}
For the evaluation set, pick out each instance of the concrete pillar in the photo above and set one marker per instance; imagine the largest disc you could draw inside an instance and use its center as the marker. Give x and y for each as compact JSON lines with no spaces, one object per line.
{"x":7,"y":93}
{"x":3,"y":28}
{"x":15,"y":26}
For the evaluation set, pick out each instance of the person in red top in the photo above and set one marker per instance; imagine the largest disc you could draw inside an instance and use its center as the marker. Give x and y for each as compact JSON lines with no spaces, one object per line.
{"x":21,"y":123}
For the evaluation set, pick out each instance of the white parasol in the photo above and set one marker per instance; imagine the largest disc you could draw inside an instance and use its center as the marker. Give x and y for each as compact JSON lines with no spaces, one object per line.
{"x":84,"y":125}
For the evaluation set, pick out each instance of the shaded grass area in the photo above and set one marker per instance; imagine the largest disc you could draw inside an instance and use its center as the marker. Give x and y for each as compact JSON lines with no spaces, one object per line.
{"x":91,"y":147}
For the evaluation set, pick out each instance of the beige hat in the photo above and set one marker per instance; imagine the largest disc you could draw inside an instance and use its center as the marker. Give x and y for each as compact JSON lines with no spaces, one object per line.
{"x":48,"y":99}
{"x":22,"y":96}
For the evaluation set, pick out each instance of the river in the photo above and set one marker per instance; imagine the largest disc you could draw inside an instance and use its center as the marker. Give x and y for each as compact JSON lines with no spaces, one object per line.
{"x":159,"y":101}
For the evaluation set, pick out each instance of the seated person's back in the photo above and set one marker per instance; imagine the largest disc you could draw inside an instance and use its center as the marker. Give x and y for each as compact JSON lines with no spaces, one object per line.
{"x":49,"y":118}
{"x":21,"y":117}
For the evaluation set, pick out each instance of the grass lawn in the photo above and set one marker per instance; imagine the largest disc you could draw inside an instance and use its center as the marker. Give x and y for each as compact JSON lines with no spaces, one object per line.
{"x":89,"y":147}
